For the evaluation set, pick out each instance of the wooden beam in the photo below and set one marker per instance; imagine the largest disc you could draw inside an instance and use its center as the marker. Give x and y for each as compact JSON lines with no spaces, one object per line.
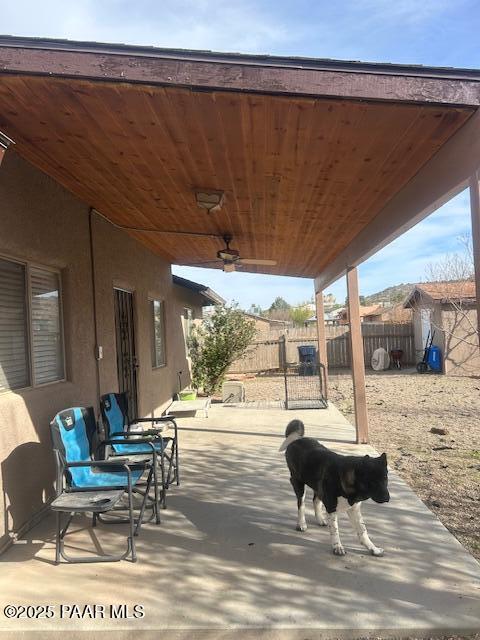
{"x":475,"y":213}
{"x":322,"y":338}
{"x":238,"y":73}
{"x":444,"y":176}
{"x":358,"y":362}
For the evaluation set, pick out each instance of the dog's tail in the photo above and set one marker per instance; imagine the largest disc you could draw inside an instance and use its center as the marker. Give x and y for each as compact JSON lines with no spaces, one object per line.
{"x":295,"y":429}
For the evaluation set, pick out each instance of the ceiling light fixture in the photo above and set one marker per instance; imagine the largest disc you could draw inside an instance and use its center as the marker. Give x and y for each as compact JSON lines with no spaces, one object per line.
{"x":209,"y":199}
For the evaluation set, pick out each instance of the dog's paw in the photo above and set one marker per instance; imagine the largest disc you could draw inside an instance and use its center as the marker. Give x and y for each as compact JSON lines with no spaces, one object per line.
{"x":377,"y":552}
{"x":322,"y":523}
{"x":301,"y":527}
{"x":338,"y":550}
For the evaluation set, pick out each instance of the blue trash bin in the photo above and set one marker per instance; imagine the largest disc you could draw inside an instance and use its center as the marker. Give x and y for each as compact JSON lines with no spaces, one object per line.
{"x":434,"y":358}
{"x":307,"y":353}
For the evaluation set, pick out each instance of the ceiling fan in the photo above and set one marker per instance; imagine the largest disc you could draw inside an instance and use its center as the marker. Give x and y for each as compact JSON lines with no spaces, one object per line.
{"x":231,"y":258}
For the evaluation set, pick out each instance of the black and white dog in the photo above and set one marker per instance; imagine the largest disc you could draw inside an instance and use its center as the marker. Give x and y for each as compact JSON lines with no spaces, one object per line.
{"x":339,"y":483}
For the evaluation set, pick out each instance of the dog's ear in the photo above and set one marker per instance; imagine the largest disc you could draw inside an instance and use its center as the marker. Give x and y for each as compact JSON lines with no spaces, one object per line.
{"x":347,"y":480}
{"x":383,"y":459}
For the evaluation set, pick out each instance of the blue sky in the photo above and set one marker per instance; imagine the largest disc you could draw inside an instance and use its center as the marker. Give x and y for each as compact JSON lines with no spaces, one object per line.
{"x":431,"y":32}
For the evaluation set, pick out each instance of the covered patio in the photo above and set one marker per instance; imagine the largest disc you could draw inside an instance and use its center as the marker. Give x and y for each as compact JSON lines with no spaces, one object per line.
{"x":320,"y":163}
{"x":227,"y":561}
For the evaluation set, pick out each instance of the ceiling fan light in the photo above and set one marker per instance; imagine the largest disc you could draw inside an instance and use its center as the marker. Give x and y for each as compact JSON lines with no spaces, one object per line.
{"x":228,"y":254}
{"x":209,"y":199}
{"x":229,"y":267}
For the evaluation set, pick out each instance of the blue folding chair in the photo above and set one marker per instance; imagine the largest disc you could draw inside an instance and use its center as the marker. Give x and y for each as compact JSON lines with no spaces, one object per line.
{"x":114,"y":408}
{"x":88,"y":485}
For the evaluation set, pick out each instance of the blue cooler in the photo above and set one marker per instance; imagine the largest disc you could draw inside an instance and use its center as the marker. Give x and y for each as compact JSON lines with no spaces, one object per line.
{"x":434,"y":358}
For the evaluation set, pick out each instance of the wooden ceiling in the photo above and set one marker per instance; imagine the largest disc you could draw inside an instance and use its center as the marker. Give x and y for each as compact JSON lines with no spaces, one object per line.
{"x":302,"y":176}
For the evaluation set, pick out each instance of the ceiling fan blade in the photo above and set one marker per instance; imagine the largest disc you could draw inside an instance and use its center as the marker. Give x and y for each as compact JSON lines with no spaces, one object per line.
{"x":259,"y":262}
{"x":199,"y":264}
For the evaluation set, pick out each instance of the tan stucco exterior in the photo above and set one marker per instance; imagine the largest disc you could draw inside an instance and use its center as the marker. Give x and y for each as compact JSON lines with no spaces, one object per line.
{"x":43,"y":223}
{"x":462,"y":355}
{"x":455,"y":329}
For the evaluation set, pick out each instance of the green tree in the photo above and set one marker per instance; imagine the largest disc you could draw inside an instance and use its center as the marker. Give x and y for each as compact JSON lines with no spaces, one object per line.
{"x":214,"y":345}
{"x":279,"y":304}
{"x":300,"y":314}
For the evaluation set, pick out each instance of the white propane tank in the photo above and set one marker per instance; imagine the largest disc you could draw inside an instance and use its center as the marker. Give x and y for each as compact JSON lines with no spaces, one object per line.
{"x":380,"y":360}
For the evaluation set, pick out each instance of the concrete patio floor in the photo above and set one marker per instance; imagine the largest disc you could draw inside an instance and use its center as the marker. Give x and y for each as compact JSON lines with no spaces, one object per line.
{"x":227,"y":562}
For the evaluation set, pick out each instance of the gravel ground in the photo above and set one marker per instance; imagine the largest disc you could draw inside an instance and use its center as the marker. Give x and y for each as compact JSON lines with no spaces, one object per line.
{"x":442,"y":468}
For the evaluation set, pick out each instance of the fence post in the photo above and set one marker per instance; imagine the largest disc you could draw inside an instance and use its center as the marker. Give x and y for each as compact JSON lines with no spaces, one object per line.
{"x":322,"y":337}
{"x":282,"y":351}
{"x":358,"y":361}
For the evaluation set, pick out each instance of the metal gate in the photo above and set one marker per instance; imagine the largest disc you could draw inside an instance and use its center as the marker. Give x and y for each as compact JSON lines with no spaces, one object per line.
{"x":125,"y":340}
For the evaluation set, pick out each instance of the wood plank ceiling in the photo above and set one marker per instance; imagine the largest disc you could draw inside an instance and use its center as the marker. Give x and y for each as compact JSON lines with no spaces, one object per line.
{"x":301,"y":176}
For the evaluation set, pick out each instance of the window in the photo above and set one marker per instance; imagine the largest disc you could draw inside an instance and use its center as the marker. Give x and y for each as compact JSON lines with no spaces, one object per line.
{"x":157,"y":314}
{"x":47,"y":347}
{"x":187,"y":323}
{"x":31,"y":344}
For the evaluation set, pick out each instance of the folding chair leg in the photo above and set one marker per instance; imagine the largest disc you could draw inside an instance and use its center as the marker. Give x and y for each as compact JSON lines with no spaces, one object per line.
{"x":133,"y":531}
{"x":155,"y":487}
{"x":142,"y":508}
{"x":177,"y":472}
{"x":57,"y":537}
{"x":164,"y":485}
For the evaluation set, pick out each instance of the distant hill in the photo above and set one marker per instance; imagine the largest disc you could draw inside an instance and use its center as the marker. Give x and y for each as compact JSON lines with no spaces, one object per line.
{"x":390,"y":295}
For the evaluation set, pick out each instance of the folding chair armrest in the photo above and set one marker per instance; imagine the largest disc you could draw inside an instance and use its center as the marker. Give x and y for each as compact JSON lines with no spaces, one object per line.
{"x":134,"y":434}
{"x":148,"y":441}
{"x":102,"y":464}
{"x":154,"y":420}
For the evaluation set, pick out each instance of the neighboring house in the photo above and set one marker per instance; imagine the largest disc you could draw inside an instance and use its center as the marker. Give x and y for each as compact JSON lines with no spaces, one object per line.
{"x":394,"y":314}
{"x":365,"y":312}
{"x":448,"y":309}
{"x":195,"y":293}
{"x":86,"y":309}
{"x":266,"y":324}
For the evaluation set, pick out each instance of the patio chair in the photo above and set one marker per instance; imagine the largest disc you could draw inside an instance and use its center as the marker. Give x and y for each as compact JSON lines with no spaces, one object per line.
{"x":86,"y":485}
{"x":114,"y":408}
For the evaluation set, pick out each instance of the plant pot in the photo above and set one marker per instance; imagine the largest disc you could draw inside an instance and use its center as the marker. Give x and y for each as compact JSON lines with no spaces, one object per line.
{"x":188,"y":394}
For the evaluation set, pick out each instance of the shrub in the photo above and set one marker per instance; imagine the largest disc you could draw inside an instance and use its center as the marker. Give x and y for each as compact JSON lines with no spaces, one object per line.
{"x":222,"y":338}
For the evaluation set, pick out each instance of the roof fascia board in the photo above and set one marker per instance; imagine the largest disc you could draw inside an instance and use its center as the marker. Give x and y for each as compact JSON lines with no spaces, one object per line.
{"x":437,"y":182}
{"x":298,"y":62}
{"x":210,"y":74}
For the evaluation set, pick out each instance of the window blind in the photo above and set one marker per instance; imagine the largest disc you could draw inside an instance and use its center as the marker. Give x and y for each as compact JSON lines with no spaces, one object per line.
{"x":14,"y":366}
{"x":47,"y":344}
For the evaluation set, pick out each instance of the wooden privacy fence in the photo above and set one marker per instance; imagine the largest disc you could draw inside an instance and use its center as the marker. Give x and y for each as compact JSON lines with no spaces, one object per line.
{"x":271,"y":350}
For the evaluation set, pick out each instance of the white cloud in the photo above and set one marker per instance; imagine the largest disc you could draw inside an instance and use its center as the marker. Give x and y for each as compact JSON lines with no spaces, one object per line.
{"x":189,"y":24}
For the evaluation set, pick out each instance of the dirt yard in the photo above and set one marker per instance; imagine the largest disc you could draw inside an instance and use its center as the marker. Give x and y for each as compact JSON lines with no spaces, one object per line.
{"x":442,"y":468}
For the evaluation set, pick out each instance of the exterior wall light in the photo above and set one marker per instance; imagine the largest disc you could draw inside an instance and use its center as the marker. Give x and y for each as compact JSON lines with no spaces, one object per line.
{"x":209,"y":199}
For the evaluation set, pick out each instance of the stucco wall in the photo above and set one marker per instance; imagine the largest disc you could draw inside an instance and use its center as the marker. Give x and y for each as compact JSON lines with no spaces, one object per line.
{"x":455,"y":334}
{"x":43,"y":223}
{"x":461,"y":341}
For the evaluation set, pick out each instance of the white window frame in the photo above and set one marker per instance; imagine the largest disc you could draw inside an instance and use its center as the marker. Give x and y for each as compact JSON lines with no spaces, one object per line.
{"x":152,"y":300}
{"x":28,"y":319}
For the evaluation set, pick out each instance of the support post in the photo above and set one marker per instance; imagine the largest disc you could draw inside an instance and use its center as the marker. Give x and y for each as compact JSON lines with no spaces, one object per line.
{"x":475,"y":214}
{"x":322,"y":337}
{"x":358,"y":362}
